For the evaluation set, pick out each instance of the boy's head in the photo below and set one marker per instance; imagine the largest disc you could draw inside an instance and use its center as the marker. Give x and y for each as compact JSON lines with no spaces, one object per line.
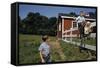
{"x":82,"y":13}
{"x":44,"y":38}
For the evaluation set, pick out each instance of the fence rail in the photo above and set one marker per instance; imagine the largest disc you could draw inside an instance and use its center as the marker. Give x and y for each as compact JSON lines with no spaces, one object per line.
{"x":91,"y":47}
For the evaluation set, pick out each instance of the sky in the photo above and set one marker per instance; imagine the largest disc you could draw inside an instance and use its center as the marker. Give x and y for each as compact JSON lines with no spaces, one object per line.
{"x":50,"y":11}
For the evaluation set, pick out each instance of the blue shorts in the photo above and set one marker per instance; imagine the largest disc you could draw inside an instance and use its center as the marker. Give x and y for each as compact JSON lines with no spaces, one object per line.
{"x":47,"y":58}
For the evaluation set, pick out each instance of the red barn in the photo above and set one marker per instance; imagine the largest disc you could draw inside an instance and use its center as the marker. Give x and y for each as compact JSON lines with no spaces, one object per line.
{"x":67,"y":27}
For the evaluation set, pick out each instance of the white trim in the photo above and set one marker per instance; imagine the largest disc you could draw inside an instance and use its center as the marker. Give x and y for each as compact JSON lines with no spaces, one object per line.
{"x":75,"y":18}
{"x":59,"y":27}
{"x":73,"y":35}
{"x":62,"y":27}
{"x":72,"y":24}
{"x":70,"y":30}
{"x":93,"y":24}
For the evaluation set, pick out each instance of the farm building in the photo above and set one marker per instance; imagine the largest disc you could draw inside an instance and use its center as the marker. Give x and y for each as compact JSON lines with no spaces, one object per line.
{"x":67,"y":27}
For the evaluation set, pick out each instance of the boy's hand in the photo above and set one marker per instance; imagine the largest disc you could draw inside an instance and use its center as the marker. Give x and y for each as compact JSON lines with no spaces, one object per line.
{"x":43,"y":61}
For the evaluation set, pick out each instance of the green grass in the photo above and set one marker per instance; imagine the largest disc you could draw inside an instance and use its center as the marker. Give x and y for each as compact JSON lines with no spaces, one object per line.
{"x":72,"y":52}
{"x":55,"y":56}
{"x":87,"y":41}
{"x":28,"y":50}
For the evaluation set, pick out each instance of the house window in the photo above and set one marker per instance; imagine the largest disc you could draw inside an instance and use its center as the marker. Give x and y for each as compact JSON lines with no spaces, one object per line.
{"x":74,"y":24}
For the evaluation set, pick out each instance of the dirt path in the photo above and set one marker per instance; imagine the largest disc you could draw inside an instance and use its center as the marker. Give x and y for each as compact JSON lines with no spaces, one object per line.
{"x":56,"y":45}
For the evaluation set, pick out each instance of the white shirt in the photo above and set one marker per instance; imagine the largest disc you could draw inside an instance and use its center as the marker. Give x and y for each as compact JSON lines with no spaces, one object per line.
{"x":45,"y":48}
{"x":80,"y":19}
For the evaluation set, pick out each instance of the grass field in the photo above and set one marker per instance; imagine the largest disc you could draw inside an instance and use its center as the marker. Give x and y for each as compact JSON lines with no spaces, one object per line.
{"x":72,"y":52}
{"x":28,"y":50}
{"x":87,"y":41}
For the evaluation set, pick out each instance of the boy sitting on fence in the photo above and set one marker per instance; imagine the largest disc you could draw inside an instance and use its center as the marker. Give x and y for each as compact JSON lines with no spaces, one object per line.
{"x":81,"y":22}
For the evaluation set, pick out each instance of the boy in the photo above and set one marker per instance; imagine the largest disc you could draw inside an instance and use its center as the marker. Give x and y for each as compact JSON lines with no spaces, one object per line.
{"x":81,"y":22}
{"x":45,"y":50}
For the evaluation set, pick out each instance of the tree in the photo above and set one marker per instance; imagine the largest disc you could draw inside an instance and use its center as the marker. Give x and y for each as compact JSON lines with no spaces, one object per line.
{"x":52,"y":25}
{"x":92,"y":15}
{"x":35,"y":23}
{"x":72,"y":14}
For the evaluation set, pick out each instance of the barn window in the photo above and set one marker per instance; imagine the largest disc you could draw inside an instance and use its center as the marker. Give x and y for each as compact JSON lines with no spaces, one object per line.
{"x":74,"y":24}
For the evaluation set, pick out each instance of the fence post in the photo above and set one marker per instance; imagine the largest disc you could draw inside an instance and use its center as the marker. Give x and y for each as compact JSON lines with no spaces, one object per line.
{"x":71,"y":35}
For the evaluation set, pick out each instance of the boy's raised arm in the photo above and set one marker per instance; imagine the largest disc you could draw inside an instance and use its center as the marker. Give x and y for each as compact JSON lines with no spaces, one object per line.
{"x":76,"y":19}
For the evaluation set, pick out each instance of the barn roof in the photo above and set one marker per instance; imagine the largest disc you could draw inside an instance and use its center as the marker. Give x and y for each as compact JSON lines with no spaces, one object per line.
{"x":75,"y":18}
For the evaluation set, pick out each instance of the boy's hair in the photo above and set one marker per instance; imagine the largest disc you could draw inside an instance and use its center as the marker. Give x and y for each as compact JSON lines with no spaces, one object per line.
{"x":44,"y":38}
